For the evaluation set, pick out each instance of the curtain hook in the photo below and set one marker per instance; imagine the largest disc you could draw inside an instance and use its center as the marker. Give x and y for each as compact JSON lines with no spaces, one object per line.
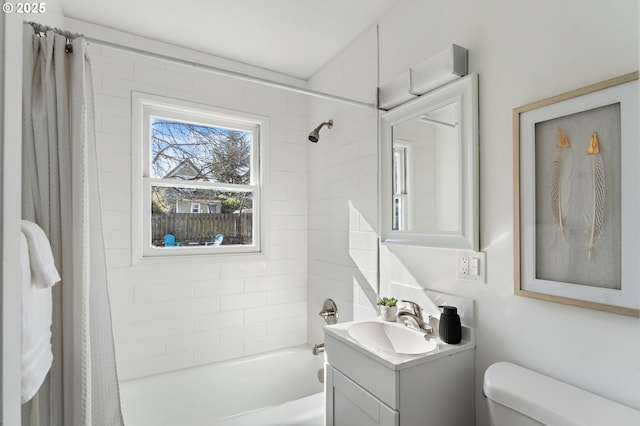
{"x":68,"y":48}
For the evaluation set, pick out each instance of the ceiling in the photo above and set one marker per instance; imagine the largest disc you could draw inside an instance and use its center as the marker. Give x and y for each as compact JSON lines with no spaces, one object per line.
{"x":293,"y":37}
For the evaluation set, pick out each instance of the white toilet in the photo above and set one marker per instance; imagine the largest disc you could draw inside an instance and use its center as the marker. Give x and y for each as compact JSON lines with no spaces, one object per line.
{"x":521,"y":397}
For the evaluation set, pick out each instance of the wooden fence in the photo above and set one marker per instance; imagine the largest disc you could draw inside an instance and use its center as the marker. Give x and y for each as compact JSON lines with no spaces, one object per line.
{"x":201,"y":228}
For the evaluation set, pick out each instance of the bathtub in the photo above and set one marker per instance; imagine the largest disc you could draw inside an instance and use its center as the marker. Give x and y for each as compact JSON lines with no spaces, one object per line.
{"x":273,"y":389}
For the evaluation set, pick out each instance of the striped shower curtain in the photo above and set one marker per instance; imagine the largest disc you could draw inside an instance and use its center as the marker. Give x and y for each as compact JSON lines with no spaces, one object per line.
{"x":60,"y":193}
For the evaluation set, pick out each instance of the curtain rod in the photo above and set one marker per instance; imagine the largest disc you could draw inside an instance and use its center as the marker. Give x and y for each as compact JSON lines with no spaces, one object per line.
{"x":234,"y":74}
{"x":42,"y":29}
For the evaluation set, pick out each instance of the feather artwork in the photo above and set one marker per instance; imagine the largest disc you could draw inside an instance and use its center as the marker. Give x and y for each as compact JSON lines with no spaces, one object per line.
{"x":561,"y":181}
{"x":597,"y":202}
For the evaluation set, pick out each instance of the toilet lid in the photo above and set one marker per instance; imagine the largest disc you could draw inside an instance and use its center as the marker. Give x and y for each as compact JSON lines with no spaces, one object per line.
{"x":551,"y":401}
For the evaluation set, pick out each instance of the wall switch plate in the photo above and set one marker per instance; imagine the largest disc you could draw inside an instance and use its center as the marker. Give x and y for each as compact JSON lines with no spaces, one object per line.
{"x":471,"y":266}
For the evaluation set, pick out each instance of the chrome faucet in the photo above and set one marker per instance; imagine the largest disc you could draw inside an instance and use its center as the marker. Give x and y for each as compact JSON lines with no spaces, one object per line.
{"x":412,"y":317}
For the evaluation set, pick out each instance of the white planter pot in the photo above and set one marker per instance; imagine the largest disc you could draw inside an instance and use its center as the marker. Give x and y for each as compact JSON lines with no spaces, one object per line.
{"x":389,"y":313}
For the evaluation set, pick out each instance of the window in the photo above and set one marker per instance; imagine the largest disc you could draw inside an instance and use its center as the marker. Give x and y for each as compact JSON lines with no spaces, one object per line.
{"x":399,"y":187}
{"x":199,"y":180}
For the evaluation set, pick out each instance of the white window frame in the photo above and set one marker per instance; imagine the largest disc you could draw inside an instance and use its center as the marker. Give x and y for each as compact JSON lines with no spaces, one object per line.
{"x":402,"y":149}
{"x":145,"y":106}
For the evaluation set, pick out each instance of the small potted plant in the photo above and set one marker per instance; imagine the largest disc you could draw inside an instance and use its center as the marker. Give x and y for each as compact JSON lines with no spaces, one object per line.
{"x":388,"y":308}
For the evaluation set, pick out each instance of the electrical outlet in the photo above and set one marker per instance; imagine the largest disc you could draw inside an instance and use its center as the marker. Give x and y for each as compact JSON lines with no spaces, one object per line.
{"x":471,"y":266}
{"x":464,"y":264}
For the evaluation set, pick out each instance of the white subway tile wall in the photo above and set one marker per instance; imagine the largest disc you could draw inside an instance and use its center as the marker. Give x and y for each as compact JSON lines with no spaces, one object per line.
{"x":343,"y":182}
{"x":175,"y":314}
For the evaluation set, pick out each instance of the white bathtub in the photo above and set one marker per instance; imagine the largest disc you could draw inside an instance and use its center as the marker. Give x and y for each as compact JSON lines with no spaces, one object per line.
{"x":277,"y":388}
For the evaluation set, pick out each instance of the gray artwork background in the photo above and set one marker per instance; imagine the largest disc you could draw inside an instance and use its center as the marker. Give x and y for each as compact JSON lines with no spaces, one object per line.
{"x":566,"y":259}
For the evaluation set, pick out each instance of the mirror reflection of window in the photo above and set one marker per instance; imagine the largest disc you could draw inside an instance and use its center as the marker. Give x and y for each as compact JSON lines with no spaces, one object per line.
{"x":400,"y":193}
{"x":425,"y":172}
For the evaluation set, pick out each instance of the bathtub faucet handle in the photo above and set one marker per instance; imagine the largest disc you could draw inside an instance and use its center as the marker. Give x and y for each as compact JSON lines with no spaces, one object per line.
{"x":326,"y":314}
{"x":329,"y":312}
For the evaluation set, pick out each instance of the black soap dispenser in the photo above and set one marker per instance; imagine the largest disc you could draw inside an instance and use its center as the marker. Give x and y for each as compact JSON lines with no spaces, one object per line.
{"x":450,"y":328}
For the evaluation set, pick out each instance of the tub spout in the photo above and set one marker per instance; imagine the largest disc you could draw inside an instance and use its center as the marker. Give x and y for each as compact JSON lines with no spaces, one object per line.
{"x":318,"y":348}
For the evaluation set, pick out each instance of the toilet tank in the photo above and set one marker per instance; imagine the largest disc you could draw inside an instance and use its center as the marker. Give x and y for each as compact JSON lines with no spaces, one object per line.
{"x":518,"y":396}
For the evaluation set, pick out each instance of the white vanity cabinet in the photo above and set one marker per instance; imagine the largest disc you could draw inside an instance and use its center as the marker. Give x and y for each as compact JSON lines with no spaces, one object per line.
{"x":350,"y":404}
{"x":365,"y":387}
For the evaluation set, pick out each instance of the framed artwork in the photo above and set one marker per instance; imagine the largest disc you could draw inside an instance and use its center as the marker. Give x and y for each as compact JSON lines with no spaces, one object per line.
{"x":577,"y":197}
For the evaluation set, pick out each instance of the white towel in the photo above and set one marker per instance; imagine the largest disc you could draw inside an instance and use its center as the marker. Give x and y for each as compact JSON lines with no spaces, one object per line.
{"x":36,"y":313}
{"x":43,"y":269}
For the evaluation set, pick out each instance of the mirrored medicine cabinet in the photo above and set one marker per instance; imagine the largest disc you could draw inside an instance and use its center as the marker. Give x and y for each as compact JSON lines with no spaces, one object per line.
{"x":429,"y":169}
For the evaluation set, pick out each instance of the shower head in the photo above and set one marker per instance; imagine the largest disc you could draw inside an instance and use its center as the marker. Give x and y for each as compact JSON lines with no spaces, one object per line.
{"x":314,"y":136}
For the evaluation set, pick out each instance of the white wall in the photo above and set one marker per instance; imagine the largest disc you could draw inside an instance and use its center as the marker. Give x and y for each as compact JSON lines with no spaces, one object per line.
{"x":523,"y":52}
{"x":176,"y":313}
{"x":52,"y":17}
{"x":10,"y":128}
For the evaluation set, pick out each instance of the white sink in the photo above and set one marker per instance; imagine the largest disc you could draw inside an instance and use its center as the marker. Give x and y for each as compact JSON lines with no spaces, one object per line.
{"x":391,"y":337}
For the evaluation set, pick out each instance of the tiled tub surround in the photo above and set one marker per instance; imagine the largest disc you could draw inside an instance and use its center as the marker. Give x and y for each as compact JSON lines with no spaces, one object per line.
{"x":170,"y":314}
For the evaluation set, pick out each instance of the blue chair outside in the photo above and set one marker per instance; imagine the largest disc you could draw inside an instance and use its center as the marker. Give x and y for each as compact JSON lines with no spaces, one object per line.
{"x":217,"y":240}
{"x":169,"y":240}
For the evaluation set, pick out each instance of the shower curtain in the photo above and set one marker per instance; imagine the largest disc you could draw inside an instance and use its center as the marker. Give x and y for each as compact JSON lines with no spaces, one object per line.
{"x":60,"y":193}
